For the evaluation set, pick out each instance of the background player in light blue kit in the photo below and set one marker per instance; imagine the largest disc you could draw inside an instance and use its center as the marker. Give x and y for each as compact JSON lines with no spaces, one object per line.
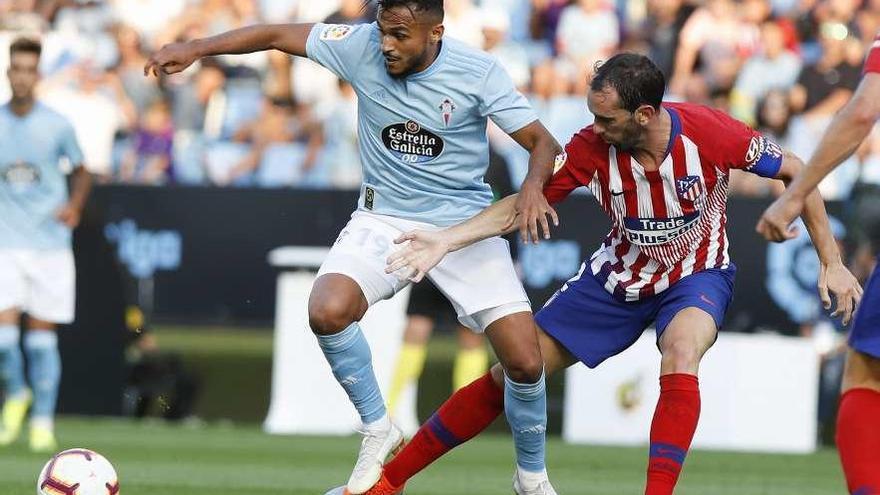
{"x":424,"y":104}
{"x":37,"y":274}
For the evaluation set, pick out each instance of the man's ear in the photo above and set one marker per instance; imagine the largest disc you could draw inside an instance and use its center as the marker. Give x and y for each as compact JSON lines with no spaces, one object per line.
{"x":644,"y":114}
{"x":437,"y":33}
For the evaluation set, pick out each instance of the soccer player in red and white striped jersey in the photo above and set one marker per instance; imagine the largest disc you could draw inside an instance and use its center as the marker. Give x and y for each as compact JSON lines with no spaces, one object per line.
{"x":668,"y":220}
{"x":858,"y":419}
{"x":660,"y":172}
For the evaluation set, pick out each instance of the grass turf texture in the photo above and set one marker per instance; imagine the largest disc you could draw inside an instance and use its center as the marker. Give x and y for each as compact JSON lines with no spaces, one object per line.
{"x":158,"y":459}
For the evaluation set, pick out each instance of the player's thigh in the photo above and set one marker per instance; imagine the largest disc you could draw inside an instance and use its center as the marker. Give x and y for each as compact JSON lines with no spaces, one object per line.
{"x":862,"y":371}
{"x":689,"y":316}
{"x":481,"y":283}
{"x":685,"y":340}
{"x":556,"y":356}
{"x":589,"y":323}
{"x":13,"y":287}
{"x":865,"y":334}
{"x":51,"y":292}
{"x":353,"y":277}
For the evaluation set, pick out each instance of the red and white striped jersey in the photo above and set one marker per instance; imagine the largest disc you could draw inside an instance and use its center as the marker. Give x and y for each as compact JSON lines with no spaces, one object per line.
{"x":668,"y":223}
{"x":872,"y":62}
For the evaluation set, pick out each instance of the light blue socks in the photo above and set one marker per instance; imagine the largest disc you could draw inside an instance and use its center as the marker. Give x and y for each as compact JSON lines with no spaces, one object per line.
{"x":525,"y":405}
{"x":44,"y":371}
{"x":11,"y":361}
{"x":352,"y":363}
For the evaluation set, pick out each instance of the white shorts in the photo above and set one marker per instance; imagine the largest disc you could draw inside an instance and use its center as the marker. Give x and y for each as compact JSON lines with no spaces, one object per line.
{"x":38,"y":282}
{"x":476,"y":280}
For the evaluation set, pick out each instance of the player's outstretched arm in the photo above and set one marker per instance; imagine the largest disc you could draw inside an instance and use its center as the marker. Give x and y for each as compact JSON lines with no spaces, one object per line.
{"x":424,"y":249}
{"x":175,"y":57}
{"x":848,"y":129}
{"x":834,"y":278}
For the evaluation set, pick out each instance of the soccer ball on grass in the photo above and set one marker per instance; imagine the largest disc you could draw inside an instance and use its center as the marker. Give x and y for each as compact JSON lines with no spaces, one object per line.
{"x":78,"y":472}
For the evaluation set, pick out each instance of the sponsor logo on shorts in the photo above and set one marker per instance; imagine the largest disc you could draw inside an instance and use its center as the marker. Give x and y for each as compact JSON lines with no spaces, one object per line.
{"x":411,"y":143}
{"x":656,"y":231}
{"x":336,"y":32}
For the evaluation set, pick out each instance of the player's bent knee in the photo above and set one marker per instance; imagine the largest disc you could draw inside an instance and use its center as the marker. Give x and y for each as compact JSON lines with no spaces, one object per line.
{"x":680,"y":356}
{"x":862,"y":371}
{"x":525,"y":369}
{"x":330,"y":316}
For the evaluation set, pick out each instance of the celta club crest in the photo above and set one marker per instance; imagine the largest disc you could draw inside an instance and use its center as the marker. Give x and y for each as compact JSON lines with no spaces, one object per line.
{"x":446,"y":109}
{"x":689,"y":188}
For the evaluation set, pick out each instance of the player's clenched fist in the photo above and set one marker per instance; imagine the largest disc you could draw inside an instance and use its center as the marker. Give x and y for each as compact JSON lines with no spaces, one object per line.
{"x":775,"y":223}
{"x":171,"y":59}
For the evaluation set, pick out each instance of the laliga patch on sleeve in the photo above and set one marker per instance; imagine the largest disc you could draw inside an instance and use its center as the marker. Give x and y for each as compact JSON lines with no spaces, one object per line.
{"x":560,"y":161}
{"x":336,"y":32}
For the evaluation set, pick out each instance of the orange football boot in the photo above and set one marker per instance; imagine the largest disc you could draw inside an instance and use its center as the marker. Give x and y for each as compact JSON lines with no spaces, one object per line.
{"x":382,"y":487}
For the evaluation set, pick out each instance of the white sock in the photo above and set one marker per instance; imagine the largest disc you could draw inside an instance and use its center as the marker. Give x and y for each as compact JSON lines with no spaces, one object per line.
{"x":381,"y":424}
{"x":43,"y":423}
{"x":531,"y":478}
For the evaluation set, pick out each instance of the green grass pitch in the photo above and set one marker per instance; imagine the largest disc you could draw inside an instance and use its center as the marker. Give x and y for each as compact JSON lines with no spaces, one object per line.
{"x":158,"y":459}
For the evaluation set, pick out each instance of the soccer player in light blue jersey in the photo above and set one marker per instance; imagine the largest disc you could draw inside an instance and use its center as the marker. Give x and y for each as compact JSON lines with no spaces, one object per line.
{"x":36,"y":259}
{"x":424,"y":102}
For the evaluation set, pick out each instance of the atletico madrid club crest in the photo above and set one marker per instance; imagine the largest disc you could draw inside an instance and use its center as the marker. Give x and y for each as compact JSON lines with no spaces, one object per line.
{"x":689,"y":188}
{"x":446,"y":109}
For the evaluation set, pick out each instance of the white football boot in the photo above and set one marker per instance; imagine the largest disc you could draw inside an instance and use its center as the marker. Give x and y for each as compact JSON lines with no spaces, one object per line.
{"x":526,"y":483}
{"x":376,"y":448}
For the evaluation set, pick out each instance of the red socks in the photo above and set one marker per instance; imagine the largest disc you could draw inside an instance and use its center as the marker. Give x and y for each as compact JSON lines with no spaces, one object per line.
{"x":468,"y":412}
{"x":675,"y":421}
{"x":858,"y":440}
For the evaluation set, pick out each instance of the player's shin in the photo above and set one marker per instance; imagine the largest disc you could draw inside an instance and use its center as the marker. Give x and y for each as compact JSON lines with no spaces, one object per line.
{"x":468,"y":412}
{"x":44,"y":372}
{"x":525,"y":405}
{"x":672,"y":430}
{"x":858,"y":440}
{"x":11,"y":362}
{"x":352,"y":364}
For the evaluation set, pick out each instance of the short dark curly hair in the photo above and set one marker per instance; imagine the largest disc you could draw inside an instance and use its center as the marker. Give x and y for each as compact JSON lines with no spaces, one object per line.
{"x":637,"y":80}
{"x":25,"y":45}
{"x":434,"y":7}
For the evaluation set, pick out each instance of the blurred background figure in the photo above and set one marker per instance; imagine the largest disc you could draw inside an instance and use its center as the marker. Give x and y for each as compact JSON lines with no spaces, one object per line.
{"x":159,"y":383}
{"x":37,"y":272}
{"x":149,"y":162}
{"x":428,"y":310}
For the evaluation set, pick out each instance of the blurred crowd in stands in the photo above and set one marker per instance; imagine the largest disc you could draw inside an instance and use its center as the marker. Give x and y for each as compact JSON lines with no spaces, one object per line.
{"x":267,"y":119}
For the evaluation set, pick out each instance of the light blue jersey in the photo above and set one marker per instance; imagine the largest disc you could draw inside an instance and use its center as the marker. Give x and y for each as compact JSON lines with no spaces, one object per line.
{"x":423,"y":142}
{"x":32,"y":184}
